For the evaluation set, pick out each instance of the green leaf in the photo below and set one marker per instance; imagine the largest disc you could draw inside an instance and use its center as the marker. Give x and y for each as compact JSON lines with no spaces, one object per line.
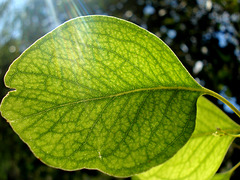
{"x":101,"y":93}
{"x":222,"y":176}
{"x":226,"y":175}
{"x":201,"y":157}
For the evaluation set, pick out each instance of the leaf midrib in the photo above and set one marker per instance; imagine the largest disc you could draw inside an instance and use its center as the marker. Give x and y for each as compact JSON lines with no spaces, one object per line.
{"x":210,"y":132}
{"x":200,"y":89}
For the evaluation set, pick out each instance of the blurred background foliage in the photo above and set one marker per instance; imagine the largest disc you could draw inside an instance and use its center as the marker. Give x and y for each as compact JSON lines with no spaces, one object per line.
{"x":204,"y":34}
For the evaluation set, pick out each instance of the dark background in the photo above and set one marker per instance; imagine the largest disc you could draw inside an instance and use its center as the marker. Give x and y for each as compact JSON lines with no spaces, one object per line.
{"x":204,"y":34}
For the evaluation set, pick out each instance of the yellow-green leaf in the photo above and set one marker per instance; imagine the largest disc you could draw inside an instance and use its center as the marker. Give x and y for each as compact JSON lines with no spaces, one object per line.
{"x":201,"y":157}
{"x":226,"y":175}
{"x":101,"y":93}
{"x":222,"y":176}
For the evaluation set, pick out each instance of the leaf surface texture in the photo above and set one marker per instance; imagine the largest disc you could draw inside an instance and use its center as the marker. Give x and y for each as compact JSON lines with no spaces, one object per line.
{"x":100,"y":92}
{"x":201,"y":157}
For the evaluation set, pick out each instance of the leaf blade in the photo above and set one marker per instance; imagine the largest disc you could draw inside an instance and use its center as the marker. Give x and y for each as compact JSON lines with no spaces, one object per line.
{"x":74,"y":84}
{"x":203,"y":152}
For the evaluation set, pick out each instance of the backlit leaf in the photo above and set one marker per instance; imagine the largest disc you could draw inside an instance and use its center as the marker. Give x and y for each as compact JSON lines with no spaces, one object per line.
{"x":99,"y":92}
{"x":222,"y":176}
{"x":226,"y":175}
{"x":201,"y":157}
